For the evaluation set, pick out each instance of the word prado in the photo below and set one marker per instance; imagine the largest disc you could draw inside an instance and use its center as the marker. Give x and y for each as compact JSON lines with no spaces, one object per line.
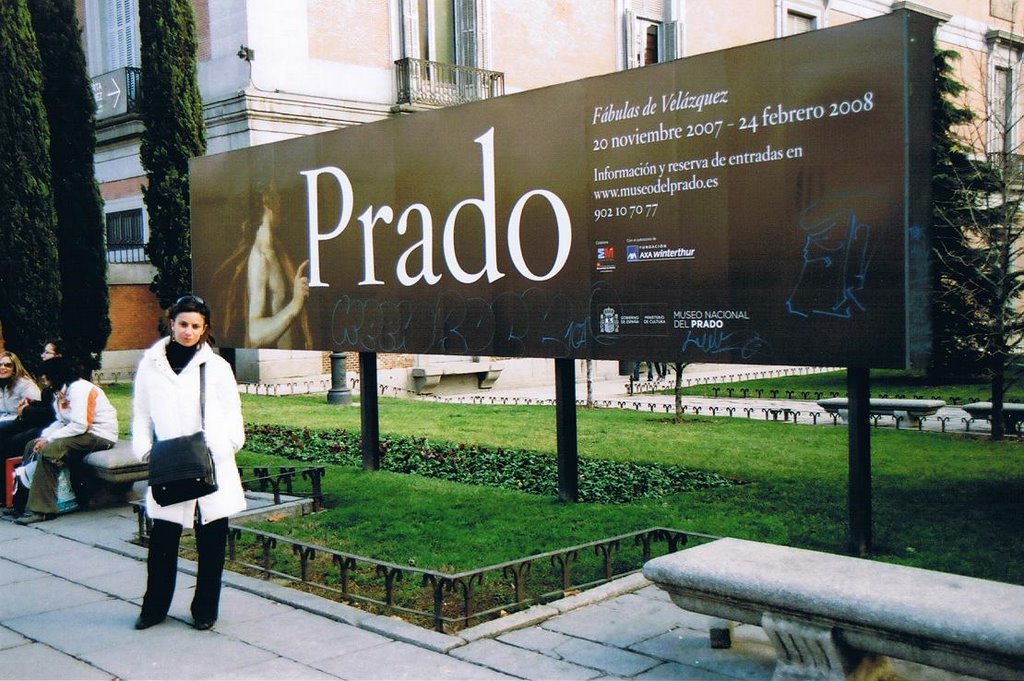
{"x":422,"y":249}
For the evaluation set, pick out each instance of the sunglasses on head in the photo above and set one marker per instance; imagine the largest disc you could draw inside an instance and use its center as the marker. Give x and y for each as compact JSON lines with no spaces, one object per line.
{"x":190,"y":299}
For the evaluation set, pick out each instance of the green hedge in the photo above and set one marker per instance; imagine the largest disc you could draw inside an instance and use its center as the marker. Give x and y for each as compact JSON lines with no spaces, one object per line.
{"x":528,"y":471}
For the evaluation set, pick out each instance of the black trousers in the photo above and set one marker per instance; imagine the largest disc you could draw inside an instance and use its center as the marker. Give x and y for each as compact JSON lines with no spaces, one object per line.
{"x":162,"y":569}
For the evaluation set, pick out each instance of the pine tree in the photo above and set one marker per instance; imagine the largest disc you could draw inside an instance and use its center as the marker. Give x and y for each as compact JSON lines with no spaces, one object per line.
{"x":29,"y":272}
{"x":172,"y":111}
{"x":70,"y":108}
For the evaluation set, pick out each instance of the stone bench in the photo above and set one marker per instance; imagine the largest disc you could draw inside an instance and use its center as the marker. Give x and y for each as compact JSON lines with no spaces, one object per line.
{"x":113,"y":472}
{"x":911,"y":411}
{"x":427,"y":380}
{"x":837,"y":617}
{"x":1013,"y":413}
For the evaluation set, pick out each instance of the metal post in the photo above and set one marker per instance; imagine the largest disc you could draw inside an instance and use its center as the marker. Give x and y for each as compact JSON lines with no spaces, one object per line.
{"x":368,"y":413}
{"x":339,"y":393}
{"x":565,"y":417}
{"x":859,"y":485}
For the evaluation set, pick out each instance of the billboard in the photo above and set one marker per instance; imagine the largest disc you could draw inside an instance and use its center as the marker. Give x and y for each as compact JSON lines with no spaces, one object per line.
{"x":763,"y":204}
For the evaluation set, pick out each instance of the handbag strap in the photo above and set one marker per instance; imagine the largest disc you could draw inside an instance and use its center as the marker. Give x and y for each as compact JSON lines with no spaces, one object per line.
{"x":202,"y":395}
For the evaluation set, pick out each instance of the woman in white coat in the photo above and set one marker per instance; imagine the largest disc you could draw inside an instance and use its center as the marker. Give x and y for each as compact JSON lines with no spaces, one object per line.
{"x":166,"y":405}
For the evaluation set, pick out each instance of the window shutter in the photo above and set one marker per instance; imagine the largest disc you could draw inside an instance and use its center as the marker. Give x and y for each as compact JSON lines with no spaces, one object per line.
{"x":410,"y":29}
{"x":649,"y":9}
{"x":121,"y":44}
{"x":465,"y":32}
{"x":631,"y":47}
{"x":672,"y":33}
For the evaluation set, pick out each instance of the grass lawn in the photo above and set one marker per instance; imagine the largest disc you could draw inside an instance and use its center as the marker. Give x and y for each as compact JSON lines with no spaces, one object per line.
{"x":941,"y":501}
{"x":883,"y":382}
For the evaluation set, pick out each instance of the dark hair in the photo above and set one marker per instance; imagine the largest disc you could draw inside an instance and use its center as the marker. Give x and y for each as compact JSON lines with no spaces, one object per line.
{"x":59,"y":347}
{"x":58,"y":371}
{"x":192,"y":303}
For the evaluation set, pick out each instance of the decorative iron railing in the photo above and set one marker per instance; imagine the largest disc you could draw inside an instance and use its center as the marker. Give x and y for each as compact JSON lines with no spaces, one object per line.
{"x":279,"y":482}
{"x":437,"y":84}
{"x":445,"y":601}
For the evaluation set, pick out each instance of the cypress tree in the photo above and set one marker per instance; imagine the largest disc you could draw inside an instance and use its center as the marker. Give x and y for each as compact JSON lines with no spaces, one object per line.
{"x":29,"y":273}
{"x":70,"y":108}
{"x":172,"y":111}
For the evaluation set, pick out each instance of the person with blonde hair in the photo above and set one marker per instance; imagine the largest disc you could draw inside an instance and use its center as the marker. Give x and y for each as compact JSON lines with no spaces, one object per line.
{"x":16,"y":390}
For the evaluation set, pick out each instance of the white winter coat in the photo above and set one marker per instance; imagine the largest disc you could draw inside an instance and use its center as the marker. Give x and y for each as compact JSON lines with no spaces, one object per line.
{"x":168,"y":404}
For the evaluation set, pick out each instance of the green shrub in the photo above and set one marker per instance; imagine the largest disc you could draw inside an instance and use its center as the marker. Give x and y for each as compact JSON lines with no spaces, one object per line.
{"x":533,"y":472}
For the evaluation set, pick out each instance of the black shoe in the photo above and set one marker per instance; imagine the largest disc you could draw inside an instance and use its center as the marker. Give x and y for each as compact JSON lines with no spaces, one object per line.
{"x":204,"y":625}
{"x":143,"y":623}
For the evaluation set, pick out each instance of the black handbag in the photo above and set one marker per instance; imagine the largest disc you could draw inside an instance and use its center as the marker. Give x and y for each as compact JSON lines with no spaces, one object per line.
{"x":181,"y":468}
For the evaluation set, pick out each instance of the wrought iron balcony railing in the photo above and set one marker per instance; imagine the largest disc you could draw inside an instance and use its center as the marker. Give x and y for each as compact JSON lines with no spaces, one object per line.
{"x":431,"y":83}
{"x":117,"y":92}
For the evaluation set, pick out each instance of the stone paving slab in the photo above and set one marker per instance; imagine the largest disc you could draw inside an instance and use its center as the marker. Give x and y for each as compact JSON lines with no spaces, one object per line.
{"x":527,"y":664}
{"x":39,"y":661}
{"x":744,"y":660}
{"x":296,"y":635}
{"x":96,"y":626}
{"x":279,"y":669}
{"x":45,"y":594}
{"x":396,"y":661}
{"x":174,"y":650}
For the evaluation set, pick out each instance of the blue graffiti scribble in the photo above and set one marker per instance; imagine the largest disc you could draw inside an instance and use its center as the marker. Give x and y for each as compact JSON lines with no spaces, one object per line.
{"x":836,"y":258}
{"x":748,"y":344}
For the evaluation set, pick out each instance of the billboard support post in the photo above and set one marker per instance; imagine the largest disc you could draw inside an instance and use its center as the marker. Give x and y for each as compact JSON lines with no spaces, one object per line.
{"x":368,"y":413}
{"x":565,"y":417}
{"x":859,"y":476}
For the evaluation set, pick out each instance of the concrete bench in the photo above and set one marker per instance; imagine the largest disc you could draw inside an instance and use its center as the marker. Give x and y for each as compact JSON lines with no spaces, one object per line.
{"x":427,"y":380}
{"x":113,"y":472}
{"x":837,"y":617}
{"x":1013,"y":413}
{"x":910,"y":411}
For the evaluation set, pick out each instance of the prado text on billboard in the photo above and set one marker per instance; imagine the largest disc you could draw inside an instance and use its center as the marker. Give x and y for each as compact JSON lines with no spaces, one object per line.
{"x":763,"y":204}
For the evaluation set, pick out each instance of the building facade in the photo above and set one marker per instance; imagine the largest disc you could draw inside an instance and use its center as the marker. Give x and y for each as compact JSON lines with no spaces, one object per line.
{"x":275,"y":69}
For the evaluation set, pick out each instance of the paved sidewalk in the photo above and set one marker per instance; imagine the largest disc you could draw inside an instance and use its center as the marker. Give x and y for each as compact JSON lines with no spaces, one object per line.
{"x":73,"y":587}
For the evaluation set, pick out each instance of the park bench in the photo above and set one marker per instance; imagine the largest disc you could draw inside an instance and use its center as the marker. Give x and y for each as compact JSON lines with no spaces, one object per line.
{"x":838,"y":617}
{"x":910,"y":411}
{"x":1013,"y":413}
{"x":427,"y":380}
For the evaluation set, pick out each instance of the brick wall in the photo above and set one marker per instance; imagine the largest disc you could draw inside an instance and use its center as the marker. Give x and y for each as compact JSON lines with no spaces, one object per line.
{"x":134,"y":316}
{"x":384,"y":361}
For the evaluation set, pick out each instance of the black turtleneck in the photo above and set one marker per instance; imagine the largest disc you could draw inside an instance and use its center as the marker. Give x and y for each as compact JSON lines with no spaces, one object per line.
{"x":178,"y":356}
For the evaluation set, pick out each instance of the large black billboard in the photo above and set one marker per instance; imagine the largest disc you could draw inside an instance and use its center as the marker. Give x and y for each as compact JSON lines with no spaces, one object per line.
{"x":763,"y":204}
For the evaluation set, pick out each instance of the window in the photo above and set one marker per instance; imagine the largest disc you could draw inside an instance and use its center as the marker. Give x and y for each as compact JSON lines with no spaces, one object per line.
{"x":650,"y":35}
{"x":125,"y":237}
{"x":799,"y":16}
{"x":121,"y":30}
{"x":445,"y":31}
{"x":1003,"y":114}
{"x":1005,"y":53}
{"x":799,"y":23}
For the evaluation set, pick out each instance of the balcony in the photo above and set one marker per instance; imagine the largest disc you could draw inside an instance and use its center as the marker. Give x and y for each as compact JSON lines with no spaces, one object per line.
{"x":1011,"y":166}
{"x":117,"y":93}
{"x":423,"y":83}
